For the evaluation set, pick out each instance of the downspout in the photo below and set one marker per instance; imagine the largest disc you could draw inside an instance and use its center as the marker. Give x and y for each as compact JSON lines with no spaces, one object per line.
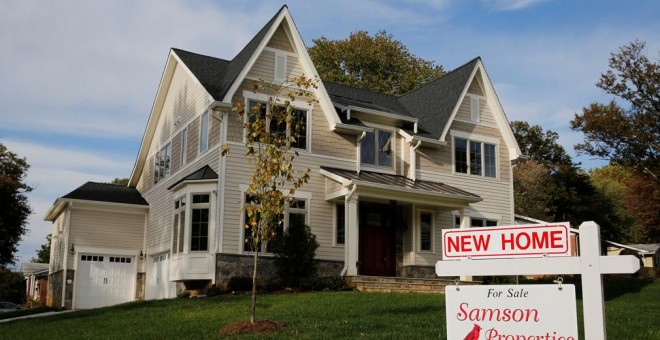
{"x":357,"y":157}
{"x":413,"y":161}
{"x":346,"y":199}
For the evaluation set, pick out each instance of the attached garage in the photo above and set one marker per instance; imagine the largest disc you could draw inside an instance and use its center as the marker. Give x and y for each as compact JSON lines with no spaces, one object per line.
{"x":158,"y":284}
{"x":104,"y":280}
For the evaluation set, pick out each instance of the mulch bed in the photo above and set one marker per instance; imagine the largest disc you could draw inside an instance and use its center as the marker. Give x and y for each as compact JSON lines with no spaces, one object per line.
{"x":258,"y":327}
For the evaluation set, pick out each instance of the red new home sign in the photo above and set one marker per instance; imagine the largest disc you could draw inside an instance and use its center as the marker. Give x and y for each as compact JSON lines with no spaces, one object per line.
{"x":502,"y":242}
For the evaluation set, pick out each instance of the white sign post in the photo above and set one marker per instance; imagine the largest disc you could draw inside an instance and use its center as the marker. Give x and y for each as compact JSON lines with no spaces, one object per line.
{"x":590,"y":265}
{"x":511,"y":312}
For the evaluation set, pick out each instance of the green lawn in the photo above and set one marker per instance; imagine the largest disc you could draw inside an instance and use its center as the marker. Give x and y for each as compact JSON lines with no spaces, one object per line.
{"x":632,"y":315}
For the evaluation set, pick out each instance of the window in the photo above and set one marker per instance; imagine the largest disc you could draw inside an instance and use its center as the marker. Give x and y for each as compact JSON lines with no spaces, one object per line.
{"x":474,"y":157}
{"x":204,"y":133}
{"x":199,"y":229}
{"x":162,"y":163}
{"x":425,"y":231}
{"x":179,"y":224}
{"x":482,"y":222}
{"x":376,"y":148}
{"x":296,"y":213}
{"x":457,"y":222}
{"x":184,"y":146}
{"x":340,"y":224}
{"x":298,"y":122}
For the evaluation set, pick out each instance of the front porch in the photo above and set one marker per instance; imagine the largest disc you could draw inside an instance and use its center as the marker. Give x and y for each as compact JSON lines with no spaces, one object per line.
{"x":392,"y":224}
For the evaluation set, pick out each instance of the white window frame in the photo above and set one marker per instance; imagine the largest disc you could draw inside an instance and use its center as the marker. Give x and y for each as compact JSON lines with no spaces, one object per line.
{"x":204,"y":132}
{"x":184,"y":146}
{"x":418,"y":233}
{"x":300,"y":195}
{"x":297,"y":105}
{"x":188,"y":191}
{"x":478,"y":216}
{"x":479,"y":139}
{"x":376,"y":167}
{"x":167,"y":149}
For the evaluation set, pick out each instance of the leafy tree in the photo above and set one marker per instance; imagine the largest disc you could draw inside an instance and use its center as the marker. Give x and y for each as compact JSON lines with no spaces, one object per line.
{"x":626,"y":135}
{"x":541,"y":146}
{"x":294,"y":254}
{"x":613,"y":182}
{"x":643,"y":201}
{"x":378,"y":63}
{"x":43,"y":254}
{"x":271,"y":129}
{"x":15,"y":208}
{"x":12,"y":286}
{"x":550,"y":187}
{"x":120,"y":181}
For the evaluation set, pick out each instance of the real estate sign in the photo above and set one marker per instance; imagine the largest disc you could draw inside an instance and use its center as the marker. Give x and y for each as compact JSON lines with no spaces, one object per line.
{"x":529,"y":312}
{"x":505,"y":242}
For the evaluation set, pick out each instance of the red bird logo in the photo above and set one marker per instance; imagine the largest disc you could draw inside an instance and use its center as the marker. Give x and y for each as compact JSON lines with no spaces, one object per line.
{"x":474,"y":333}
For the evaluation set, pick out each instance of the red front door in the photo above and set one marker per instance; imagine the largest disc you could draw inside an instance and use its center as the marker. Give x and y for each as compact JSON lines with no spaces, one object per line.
{"x":377,"y":241}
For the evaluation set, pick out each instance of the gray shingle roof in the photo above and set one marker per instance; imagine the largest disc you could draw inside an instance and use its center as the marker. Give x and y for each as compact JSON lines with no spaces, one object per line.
{"x":202,"y":174}
{"x":104,"y":192}
{"x":434,"y":102}
{"x":217,"y":75}
{"x":400,"y":182}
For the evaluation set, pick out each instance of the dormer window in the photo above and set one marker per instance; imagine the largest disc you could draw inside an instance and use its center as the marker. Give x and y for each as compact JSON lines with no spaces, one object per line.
{"x":377,"y":149}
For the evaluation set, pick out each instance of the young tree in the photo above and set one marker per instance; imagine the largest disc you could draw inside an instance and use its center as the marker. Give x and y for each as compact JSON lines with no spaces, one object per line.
{"x":15,"y":208}
{"x":272,"y":129}
{"x":625,"y":135}
{"x":43,"y":254}
{"x":378,"y":63}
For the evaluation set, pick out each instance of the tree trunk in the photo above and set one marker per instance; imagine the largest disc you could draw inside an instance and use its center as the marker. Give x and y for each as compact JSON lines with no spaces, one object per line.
{"x":253,"y":306}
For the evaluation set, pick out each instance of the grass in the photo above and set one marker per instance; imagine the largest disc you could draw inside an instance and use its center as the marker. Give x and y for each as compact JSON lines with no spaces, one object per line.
{"x":323,"y":315}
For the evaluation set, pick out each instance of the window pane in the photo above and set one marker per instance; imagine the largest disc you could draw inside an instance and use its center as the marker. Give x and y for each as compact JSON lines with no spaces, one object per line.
{"x":460,"y":155}
{"x":426,"y":225}
{"x":385,"y":148}
{"x":299,"y":127}
{"x":475,"y":158}
{"x":182,"y":222}
{"x":199,"y":230}
{"x":204,"y":133}
{"x":491,"y":223}
{"x":457,"y":222}
{"x":476,"y":222}
{"x":201,"y":198}
{"x":157,"y":167}
{"x":489,"y":158}
{"x":175,"y":234}
{"x":340,"y":223}
{"x":368,"y":149}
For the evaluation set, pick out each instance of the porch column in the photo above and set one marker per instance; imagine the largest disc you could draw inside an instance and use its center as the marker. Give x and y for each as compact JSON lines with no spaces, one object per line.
{"x":465,"y":224}
{"x":351,"y":241}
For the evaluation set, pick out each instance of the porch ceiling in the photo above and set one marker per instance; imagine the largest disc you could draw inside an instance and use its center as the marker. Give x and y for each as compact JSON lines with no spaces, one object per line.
{"x":400,"y":188}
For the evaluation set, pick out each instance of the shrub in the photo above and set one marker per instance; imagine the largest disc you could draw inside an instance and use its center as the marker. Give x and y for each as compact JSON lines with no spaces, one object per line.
{"x":273,"y":286}
{"x":12,"y":286}
{"x":294,"y":254}
{"x":332,"y":283}
{"x":240,"y":283}
{"x":214,"y":290}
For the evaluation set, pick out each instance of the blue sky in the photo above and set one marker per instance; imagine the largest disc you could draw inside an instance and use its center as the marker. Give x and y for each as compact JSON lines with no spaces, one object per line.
{"x":78,"y":78}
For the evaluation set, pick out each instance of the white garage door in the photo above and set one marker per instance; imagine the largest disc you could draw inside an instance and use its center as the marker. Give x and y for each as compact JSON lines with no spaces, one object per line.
{"x":104,"y":280}
{"x":158,"y":285}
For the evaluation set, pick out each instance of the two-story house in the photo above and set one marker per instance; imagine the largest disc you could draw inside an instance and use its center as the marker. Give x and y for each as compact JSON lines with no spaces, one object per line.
{"x":387,"y":174}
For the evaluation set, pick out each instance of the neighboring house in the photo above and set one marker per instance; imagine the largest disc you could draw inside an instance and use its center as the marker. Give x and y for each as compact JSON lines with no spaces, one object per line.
{"x":648,"y":254}
{"x":36,"y":281}
{"x":387,"y":173}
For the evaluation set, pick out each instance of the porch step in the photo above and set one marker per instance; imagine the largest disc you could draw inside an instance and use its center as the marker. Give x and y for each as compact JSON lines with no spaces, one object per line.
{"x":402,"y":284}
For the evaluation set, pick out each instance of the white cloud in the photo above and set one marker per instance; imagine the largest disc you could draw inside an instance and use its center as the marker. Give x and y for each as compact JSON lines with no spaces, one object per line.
{"x":511,"y":5}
